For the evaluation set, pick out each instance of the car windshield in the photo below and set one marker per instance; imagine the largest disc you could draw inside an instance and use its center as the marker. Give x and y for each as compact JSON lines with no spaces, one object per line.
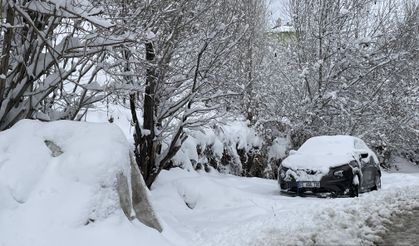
{"x":328,"y":145}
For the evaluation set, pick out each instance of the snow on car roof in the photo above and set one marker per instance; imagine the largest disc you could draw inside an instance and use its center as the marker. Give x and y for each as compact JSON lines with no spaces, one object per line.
{"x":328,"y":144}
{"x":322,"y":152}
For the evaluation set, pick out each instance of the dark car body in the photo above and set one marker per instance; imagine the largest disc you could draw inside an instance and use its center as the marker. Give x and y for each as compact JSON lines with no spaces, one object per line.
{"x":360,"y":173}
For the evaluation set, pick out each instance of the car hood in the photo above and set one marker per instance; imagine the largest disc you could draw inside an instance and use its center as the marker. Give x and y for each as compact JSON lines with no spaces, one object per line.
{"x":316,"y":162}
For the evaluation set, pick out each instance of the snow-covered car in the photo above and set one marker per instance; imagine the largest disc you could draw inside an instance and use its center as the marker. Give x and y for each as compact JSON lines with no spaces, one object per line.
{"x":340,"y":165}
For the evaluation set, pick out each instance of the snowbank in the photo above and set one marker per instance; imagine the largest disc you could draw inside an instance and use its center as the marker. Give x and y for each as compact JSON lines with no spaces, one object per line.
{"x":65,"y":194}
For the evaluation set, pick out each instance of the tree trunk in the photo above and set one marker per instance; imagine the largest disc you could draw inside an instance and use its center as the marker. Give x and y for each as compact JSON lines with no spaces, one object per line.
{"x":146,"y":146}
{"x":7,"y":43}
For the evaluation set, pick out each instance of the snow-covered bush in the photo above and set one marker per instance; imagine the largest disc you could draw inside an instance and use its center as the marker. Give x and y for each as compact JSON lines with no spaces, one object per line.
{"x":234,"y":148}
{"x":220,"y":147}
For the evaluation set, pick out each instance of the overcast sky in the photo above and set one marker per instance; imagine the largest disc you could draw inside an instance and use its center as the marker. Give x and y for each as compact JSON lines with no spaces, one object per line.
{"x":277,"y":9}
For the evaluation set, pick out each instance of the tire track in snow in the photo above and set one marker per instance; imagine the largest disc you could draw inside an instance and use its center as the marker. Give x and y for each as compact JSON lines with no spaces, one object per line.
{"x":359,"y":221}
{"x":403,"y":229}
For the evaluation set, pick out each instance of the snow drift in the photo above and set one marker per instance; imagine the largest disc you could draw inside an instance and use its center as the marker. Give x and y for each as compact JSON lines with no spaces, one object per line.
{"x":69,"y":183}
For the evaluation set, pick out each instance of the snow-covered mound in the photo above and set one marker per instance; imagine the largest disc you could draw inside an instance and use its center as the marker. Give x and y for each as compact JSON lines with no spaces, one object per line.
{"x":58,"y":186}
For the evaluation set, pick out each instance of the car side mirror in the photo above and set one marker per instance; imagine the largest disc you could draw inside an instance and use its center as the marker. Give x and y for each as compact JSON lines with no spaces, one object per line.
{"x":363,"y":155}
{"x":292,"y":152}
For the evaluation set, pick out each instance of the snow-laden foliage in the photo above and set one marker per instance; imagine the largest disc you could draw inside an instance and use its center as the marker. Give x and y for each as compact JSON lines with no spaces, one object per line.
{"x":231,"y":148}
{"x":51,"y":53}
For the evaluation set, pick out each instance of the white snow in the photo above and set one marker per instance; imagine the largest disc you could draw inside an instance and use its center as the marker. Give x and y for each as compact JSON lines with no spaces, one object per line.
{"x":121,"y":117}
{"x":402,"y":165}
{"x":344,"y":11}
{"x":284,"y":29}
{"x":318,"y":162}
{"x":69,"y":199}
{"x":217,"y":209}
{"x":328,"y":144}
{"x":321,"y":153}
{"x":234,"y":134}
{"x":301,"y":175}
{"x":278,"y":149}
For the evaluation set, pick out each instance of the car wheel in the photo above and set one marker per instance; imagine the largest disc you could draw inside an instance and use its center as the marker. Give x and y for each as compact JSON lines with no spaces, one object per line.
{"x":300,"y":192}
{"x":377,"y":183}
{"x":354,"y":187}
{"x":354,"y":190}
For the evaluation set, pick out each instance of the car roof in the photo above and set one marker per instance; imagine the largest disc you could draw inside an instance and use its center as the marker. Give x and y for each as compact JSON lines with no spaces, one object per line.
{"x":334,"y":143}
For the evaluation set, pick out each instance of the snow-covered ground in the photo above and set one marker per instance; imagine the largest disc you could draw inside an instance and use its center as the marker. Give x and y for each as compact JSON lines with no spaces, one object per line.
{"x":401,"y":165}
{"x":216,"y":209}
{"x":69,"y":198}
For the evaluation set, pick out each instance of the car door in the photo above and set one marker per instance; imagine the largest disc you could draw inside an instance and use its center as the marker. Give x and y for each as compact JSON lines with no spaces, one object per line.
{"x":368,"y":166}
{"x":368,"y":172}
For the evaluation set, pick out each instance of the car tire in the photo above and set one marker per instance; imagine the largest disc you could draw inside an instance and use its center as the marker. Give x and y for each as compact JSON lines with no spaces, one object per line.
{"x":300,"y":192}
{"x":354,"y":189}
{"x":377,"y":185}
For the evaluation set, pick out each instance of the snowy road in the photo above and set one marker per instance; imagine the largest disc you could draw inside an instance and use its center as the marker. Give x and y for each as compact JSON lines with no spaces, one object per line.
{"x":403,"y":230}
{"x":214,"y":209}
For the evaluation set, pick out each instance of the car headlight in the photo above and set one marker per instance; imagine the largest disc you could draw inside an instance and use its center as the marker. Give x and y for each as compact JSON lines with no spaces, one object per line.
{"x":338,"y":173}
{"x":341,"y":172}
{"x":283,"y":172}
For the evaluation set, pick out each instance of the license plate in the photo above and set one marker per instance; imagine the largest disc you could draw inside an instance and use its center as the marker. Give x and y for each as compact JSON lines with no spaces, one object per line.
{"x":308,"y":184}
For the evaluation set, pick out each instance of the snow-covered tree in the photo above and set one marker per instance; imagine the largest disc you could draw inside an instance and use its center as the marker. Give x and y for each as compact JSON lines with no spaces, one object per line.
{"x":349,"y":69}
{"x":50,"y":57}
{"x":173,"y":73}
